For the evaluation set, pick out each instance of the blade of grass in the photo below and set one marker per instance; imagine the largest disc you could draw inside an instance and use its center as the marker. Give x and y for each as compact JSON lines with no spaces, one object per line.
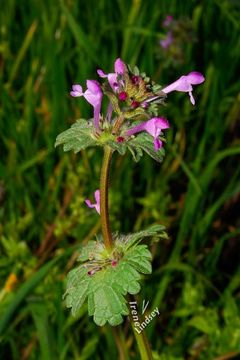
{"x":22,"y":52}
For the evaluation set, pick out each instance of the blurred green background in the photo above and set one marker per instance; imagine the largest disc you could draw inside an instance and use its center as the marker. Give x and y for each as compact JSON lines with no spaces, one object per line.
{"x":46,"y":46}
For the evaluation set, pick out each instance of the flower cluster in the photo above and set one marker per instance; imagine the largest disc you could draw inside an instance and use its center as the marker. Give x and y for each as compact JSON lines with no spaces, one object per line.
{"x":133,"y":105}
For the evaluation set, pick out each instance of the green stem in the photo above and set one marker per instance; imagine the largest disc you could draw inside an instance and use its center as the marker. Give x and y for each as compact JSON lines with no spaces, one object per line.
{"x":143,"y":344}
{"x":104,"y":183}
{"x":141,"y":338}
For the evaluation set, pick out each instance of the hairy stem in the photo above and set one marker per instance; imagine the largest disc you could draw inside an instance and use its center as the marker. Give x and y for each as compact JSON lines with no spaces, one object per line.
{"x":141,"y":338}
{"x":104,"y":183}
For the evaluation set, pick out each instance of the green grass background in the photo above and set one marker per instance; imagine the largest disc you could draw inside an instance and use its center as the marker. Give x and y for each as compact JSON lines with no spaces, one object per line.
{"x":46,"y":46}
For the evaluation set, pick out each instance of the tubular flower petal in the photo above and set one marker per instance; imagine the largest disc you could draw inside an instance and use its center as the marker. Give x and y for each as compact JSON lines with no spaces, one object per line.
{"x":154,"y":127}
{"x":184,"y":84}
{"x":119,"y":68}
{"x":76,"y":90}
{"x":112,"y":78}
{"x":97,"y":199}
{"x":93,"y":95}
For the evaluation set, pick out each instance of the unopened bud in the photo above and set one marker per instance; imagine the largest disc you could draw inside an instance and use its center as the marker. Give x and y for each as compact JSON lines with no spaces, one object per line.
{"x":122,"y":96}
{"x":135,"y":79}
{"x":120,"y":139}
{"x":134,"y":104}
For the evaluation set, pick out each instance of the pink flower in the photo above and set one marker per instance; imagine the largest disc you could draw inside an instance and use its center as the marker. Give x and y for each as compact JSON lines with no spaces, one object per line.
{"x":165,"y":43}
{"x":168,"y":20}
{"x":154,"y":127}
{"x":97,"y":199}
{"x":184,"y":84}
{"x":119,"y":68}
{"x":93,"y":95}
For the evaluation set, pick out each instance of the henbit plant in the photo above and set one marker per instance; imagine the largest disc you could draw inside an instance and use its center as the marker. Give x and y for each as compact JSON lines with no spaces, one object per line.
{"x":111,"y":266}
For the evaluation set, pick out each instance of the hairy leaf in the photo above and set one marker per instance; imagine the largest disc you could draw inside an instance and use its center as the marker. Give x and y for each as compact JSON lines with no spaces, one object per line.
{"x":137,"y":145}
{"x":135,"y":238}
{"x":86,"y":251}
{"x":78,"y":137}
{"x":106,"y":276}
{"x":120,"y":147}
{"x":81,"y":135}
{"x":144,"y":141}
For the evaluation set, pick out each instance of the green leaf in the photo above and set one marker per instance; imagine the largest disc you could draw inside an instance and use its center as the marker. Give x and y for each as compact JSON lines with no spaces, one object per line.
{"x":78,"y":137}
{"x":44,"y":330}
{"x":133,"y":69}
{"x":75,"y":275}
{"x":106,"y":299}
{"x":77,"y":296}
{"x":137,"y":145}
{"x":81,"y":135}
{"x":109,"y":306}
{"x":126,"y":277}
{"x":144,"y":141}
{"x":77,"y":291}
{"x":140,"y":257}
{"x":120,"y":147}
{"x":154,"y":230}
{"x":91,"y":305}
{"x":136,"y":152}
{"x":114,"y":273}
{"x":86,"y":251}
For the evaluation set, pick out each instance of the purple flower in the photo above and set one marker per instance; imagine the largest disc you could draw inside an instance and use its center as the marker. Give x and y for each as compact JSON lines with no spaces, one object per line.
{"x":93,"y":95}
{"x":154,"y":127}
{"x":165,"y":43}
{"x":97,"y":199}
{"x":168,"y":20}
{"x":184,"y":84}
{"x":76,"y":90}
{"x":119,"y":68}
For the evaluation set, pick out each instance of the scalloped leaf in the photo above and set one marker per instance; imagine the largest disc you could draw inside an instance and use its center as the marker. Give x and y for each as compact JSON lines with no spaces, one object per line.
{"x":109,"y":302}
{"x":140,"y":258}
{"x":78,"y":137}
{"x":126,"y":277}
{"x":108,"y":284}
{"x":77,"y":290}
{"x":106,"y":288}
